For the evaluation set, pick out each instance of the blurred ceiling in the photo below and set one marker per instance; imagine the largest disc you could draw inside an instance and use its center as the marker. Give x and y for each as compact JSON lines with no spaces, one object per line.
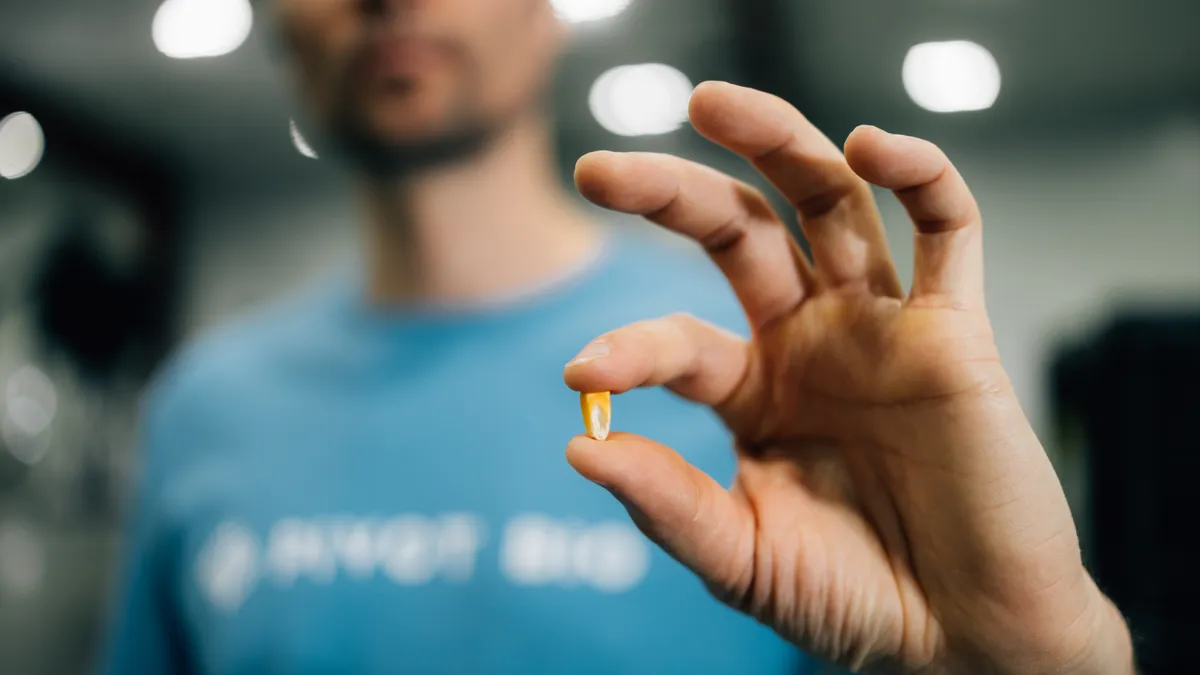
{"x":1062,"y":61}
{"x":1065,"y":63}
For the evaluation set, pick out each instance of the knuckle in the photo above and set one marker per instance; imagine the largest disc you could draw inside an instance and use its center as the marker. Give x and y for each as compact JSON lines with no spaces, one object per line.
{"x":725,"y":237}
{"x":682,"y":320}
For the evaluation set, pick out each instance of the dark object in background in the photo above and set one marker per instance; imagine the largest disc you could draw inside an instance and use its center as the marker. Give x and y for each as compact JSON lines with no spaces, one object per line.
{"x":88,"y":306}
{"x":1135,"y":393}
{"x":97,"y":298}
{"x":104,"y":288}
{"x":102,"y":291}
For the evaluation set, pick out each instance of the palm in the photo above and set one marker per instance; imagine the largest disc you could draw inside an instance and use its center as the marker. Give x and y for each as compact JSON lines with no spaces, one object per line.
{"x":804,"y":476}
{"x":892,"y":507}
{"x":811,"y":531}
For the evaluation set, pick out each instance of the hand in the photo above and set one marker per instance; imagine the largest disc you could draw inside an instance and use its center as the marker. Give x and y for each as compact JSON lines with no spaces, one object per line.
{"x":893,"y":510}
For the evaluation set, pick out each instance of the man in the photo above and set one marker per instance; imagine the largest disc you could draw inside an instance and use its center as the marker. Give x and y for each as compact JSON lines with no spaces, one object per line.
{"x":369,"y":478}
{"x":892,"y":510}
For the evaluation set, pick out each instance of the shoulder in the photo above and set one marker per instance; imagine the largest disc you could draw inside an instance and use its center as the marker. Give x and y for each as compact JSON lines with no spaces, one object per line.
{"x":666,"y":273}
{"x":234,"y":361}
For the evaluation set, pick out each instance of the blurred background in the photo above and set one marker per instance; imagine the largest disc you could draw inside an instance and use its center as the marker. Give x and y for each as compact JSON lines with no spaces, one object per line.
{"x":153,"y":184}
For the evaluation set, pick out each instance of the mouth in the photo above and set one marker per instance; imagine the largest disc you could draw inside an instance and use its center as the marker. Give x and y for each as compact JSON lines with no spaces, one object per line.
{"x":404,"y":57}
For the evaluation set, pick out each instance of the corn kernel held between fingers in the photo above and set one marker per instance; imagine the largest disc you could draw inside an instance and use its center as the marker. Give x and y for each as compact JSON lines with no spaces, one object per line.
{"x":597,"y":413}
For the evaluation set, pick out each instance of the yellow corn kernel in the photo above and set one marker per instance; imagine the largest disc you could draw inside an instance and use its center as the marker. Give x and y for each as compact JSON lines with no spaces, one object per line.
{"x":597,"y":413}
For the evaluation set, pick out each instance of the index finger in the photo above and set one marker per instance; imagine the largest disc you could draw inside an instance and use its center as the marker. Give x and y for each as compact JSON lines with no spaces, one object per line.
{"x":731,"y":220}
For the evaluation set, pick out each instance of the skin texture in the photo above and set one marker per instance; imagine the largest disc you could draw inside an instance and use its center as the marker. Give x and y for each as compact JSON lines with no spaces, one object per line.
{"x":893,"y":510}
{"x":408,"y":84}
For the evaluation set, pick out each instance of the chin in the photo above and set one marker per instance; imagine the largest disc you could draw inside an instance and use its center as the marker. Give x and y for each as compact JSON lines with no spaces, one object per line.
{"x":409,"y":115}
{"x":405,"y":132}
{"x":402,"y":142}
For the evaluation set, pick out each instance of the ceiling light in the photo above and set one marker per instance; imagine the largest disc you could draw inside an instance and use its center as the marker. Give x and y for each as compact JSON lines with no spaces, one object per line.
{"x":580,"y":11}
{"x":190,"y":29}
{"x":641,"y":100}
{"x":21,"y":144}
{"x":954,"y":76}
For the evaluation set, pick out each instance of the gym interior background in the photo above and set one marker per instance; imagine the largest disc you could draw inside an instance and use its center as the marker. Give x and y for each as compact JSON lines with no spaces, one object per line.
{"x":154,"y":185}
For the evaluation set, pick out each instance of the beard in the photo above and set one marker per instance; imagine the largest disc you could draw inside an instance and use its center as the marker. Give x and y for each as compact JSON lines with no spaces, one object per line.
{"x":464,"y":132}
{"x":380,"y":158}
{"x":463,"y":135}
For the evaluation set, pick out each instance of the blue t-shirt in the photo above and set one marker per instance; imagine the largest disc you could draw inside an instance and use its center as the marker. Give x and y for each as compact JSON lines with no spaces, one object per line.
{"x":329,"y":489}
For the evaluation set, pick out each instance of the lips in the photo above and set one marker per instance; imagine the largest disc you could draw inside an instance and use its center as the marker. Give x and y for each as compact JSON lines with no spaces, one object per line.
{"x":405,"y":57}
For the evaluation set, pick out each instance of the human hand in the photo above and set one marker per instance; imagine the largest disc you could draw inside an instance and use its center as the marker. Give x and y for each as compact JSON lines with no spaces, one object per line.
{"x":893,"y":510}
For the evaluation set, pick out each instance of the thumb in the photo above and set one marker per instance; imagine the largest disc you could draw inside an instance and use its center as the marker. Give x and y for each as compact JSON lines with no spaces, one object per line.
{"x":679,"y":507}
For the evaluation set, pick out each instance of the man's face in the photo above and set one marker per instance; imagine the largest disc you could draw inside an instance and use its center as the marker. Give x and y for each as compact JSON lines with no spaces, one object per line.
{"x":401,"y":83}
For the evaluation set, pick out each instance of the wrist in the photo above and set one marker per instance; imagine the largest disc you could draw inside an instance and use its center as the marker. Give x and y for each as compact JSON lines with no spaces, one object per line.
{"x":1108,"y":649}
{"x":1112,"y":647}
{"x":1098,"y":644}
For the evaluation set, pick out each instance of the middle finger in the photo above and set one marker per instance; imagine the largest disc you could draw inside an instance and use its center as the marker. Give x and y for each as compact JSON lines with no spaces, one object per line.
{"x":837,"y":210}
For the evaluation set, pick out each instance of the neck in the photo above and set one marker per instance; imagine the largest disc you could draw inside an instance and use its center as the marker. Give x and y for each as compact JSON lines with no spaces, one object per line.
{"x":494,"y":225}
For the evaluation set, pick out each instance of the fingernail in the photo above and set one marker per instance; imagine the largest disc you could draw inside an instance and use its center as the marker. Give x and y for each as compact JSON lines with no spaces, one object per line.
{"x":594,"y":350}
